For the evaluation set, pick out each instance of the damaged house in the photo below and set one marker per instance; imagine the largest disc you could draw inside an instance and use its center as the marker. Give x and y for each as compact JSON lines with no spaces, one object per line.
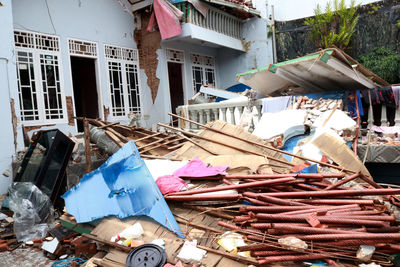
{"x":97,"y":59}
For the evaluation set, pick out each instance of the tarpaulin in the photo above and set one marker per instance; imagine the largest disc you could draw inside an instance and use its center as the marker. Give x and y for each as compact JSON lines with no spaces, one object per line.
{"x":167,"y":17}
{"x":122,"y":186}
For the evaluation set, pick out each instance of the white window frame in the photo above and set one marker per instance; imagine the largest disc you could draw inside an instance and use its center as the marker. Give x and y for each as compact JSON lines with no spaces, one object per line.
{"x":123,"y":58}
{"x":94,"y":56}
{"x":203,"y":64}
{"x":179,"y":60}
{"x":36,"y":52}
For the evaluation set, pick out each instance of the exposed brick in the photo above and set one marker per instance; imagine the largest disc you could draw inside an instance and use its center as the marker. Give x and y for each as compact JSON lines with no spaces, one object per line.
{"x":148,"y":43}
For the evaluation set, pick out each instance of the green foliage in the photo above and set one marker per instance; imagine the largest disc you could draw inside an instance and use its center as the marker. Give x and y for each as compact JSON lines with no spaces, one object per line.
{"x":383,"y":62}
{"x":398,"y":24}
{"x":374,"y":9}
{"x":335,"y":26}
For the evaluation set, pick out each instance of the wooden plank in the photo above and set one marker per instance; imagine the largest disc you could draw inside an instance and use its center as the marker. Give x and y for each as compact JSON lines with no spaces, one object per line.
{"x":108,"y":125}
{"x":163,"y":144}
{"x":88,"y":154}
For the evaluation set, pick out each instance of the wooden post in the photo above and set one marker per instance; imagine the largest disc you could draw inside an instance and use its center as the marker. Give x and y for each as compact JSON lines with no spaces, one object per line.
{"x":88,"y":153}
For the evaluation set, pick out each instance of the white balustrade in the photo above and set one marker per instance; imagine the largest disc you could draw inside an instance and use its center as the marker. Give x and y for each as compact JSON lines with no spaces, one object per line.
{"x":225,"y":111}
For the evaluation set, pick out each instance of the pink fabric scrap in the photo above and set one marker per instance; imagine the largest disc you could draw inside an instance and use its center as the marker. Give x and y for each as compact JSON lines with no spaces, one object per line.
{"x":170,"y":184}
{"x":167,"y":22}
{"x":197,"y":168}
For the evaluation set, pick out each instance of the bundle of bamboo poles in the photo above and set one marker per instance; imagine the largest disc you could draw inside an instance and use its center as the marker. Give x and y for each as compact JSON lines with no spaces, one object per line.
{"x":332,"y":219}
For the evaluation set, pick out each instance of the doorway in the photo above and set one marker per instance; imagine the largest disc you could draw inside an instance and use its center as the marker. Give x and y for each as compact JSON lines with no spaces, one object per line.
{"x":175,"y":85}
{"x":85,"y":89}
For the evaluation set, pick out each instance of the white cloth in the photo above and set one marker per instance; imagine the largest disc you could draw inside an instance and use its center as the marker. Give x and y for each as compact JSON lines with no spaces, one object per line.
{"x":275,"y":104}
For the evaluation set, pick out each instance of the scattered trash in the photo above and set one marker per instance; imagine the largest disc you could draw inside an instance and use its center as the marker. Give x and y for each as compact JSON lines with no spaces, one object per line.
{"x":51,"y":245}
{"x":365,"y":252}
{"x":293,"y":243}
{"x":33,"y":211}
{"x":190,"y":253}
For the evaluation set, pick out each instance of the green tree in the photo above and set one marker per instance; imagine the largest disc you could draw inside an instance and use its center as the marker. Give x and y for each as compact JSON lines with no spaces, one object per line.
{"x":383,"y":62}
{"x":334,"y":26}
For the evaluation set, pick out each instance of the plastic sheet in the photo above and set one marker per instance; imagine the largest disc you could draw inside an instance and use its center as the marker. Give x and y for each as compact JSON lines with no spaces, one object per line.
{"x":122,"y":186}
{"x":170,"y":184}
{"x":197,"y":168}
{"x":33,"y":211}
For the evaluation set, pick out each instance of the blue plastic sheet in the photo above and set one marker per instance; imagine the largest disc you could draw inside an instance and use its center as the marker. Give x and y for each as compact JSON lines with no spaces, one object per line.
{"x":122,"y":186}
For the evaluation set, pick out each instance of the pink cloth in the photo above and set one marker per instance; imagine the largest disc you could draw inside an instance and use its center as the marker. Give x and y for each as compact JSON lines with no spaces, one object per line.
{"x":197,"y":168}
{"x":167,"y":21}
{"x":170,"y":184}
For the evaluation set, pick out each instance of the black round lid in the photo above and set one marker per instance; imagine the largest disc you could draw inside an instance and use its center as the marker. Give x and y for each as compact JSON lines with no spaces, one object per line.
{"x":147,"y":255}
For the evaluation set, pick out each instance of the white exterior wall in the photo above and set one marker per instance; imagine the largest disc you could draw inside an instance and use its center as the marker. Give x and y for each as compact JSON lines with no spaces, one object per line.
{"x":8,"y":77}
{"x":158,"y":111}
{"x":295,"y":9}
{"x":100,"y":21}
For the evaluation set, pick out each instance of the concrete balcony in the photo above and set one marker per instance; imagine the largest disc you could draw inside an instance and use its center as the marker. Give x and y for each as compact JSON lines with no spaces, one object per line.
{"x":217,"y":29}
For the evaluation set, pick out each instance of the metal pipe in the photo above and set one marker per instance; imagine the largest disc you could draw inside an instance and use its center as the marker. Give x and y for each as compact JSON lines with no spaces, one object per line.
{"x":367,"y":236}
{"x":352,"y":192}
{"x":385,"y":218}
{"x":234,"y":197}
{"x":337,"y":201}
{"x":322,"y":219}
{"x":273,"y":200}
{"x":273,"y":208}
{"x":273,"y":253}
{"x":235,"y":186}
{"x":320,"y":175}
{"x":308,"y":230}
{"x":309,"y":256}
{"x":228,"y":225}
{"x":256,"y":201}
{"x":343,"y":181}
{"x":253,"y":247}
{"x":322,"y":209}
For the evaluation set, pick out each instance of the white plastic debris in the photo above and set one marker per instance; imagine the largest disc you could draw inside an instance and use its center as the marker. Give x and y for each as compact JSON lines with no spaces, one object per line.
{"x":293,"y":243}
{"x":132,"y":232}
{"x":190,"y":252}
{"x":365,"y":252}
{"x":158,"y":242}
{"x":2,"y":216}
{"x":50,"y":246}
{"x":373,"y":264}
{"x":230,"y":241}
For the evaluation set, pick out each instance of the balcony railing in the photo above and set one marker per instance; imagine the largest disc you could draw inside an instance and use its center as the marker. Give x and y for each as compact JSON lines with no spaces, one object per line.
{"x":223,"y":111}
{"x":215,"y":20}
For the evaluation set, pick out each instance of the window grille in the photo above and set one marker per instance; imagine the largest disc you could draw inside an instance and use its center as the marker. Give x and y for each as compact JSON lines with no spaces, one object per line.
{"x":175,"y":56}
{"x":26,"y":87}
{"x":122,"y":53}
{"x":123,"y":76}
{"x":77,"y":47}
{"x":39,"y":77}
{"x":203,"y":71}
{"x":37,"y":41}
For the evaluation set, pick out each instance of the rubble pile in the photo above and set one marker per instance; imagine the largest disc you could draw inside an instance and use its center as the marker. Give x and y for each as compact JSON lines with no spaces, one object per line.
{"x":218,"y":197}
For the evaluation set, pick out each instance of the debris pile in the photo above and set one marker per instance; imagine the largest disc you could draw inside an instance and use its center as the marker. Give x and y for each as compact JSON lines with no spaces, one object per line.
{"x":325,"y":220}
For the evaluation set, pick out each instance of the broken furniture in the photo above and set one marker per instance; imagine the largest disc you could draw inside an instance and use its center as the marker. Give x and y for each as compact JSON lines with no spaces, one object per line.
{"x":45,"y":162}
